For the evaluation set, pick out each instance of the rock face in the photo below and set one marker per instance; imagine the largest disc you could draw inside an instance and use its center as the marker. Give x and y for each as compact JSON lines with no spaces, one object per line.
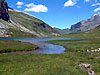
{"x":86,"y":25}
{"x":4,"y":10}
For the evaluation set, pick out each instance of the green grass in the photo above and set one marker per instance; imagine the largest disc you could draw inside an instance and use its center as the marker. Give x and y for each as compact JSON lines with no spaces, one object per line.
{"x":29,"y":64}
{"x":12,"y":45}
{"x":44,"y":64}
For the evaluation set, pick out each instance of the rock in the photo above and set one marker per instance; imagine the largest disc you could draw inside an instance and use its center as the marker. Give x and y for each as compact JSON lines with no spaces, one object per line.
{"x":4,"y":11}
{"x":88,"y":68}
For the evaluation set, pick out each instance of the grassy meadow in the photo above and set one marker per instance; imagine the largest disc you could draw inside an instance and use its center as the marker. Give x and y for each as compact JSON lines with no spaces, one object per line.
{"x":43,"y":64}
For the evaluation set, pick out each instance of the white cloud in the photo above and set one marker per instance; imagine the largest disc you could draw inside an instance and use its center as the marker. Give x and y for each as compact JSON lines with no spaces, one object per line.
{"x":69,"y":3}
{"x":96,"y":4}
{"x":19,"y":3}
{"x":36,"y":8}
{"x":97,"y":9}
{"x":53,"y":26}
{"x":19,"y":6}
{"x":86,"y":0}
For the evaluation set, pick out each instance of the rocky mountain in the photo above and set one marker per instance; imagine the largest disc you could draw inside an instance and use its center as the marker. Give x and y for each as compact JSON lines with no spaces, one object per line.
{"x":86,"y":25}
{"x":19,"y":24}
{"x":82,"y":26}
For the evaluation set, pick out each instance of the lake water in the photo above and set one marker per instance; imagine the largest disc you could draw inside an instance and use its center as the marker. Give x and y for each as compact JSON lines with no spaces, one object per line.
{"x":44,"y":48}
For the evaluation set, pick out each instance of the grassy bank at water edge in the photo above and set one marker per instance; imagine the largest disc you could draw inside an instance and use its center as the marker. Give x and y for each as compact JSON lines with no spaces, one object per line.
{"x":7,"y":45}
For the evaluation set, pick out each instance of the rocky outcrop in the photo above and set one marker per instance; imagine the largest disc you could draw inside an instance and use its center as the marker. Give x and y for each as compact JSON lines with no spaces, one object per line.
{"x":4,"y":11}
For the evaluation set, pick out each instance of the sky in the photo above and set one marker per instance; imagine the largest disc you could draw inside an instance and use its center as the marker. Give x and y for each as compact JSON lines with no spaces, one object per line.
{"x":58,"y":13}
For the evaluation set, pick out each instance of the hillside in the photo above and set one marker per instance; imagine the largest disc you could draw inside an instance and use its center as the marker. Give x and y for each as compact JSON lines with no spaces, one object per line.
{"x":24,"y":25}
{"x":94,"y":33}
{"x":15,"y":23}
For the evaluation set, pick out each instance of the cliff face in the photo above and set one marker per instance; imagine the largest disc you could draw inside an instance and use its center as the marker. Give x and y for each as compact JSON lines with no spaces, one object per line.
{"x":4,"y":11}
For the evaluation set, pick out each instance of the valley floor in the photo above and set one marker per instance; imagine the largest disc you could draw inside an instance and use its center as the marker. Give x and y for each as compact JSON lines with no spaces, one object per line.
{"x":54,"y":64}
{"x":77,"y":52}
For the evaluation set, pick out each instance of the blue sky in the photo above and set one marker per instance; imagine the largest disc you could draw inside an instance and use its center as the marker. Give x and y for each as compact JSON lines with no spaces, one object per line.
{"x":59,"y":13}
